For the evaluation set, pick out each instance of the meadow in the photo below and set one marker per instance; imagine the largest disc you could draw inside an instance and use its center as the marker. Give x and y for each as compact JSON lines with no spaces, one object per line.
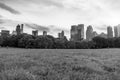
{"x":59,"y":64}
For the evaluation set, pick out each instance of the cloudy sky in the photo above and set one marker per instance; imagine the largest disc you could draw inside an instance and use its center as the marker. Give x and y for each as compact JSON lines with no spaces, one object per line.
{"x":57,"y":15}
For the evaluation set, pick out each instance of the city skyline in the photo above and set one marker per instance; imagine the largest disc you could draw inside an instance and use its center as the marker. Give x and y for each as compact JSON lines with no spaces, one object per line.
{"x":59,"y":15}
{"x":77,"y":32}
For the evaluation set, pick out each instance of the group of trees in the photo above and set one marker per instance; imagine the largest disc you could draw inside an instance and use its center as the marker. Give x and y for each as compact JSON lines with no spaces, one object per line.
{"x":49,"y":42}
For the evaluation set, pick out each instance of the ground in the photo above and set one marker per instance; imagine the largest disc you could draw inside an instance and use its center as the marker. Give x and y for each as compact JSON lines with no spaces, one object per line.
{"x":59,"y":64}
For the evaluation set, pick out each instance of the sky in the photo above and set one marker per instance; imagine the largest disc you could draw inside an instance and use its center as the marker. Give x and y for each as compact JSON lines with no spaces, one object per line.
{"x":56,"y":15}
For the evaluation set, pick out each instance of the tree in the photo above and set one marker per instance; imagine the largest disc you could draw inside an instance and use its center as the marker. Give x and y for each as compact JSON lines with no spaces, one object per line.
{"x":23,"y":42}
{"x":100,"y":42}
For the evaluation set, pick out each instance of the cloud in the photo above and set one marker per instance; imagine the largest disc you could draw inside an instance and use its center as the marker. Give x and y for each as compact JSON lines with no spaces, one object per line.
{"x":102,"y":27}
{"x":1,"y":16}
{"x":37,"y":27}
{"x":8,"y":8}
{"x":1,"y":21}
{"x":2,"y":28}
{"x":56,"y":29}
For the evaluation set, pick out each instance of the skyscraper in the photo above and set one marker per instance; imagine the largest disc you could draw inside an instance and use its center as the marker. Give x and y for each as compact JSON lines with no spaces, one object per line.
{"x":77,"y":32}
{"x":18,"y":29}
{"x":44,"y":33}
{"x":117,"y":31}
{"x":116,"y":34}
{"x":80,"y":32}
{"x":109,"y":32}
{"x":61,"y":35}
{"x":74,"y":33}
{"x":22,"y":25}
{"x":89,"y":33}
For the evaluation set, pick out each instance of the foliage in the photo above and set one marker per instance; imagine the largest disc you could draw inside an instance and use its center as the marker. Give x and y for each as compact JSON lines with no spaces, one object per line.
{"x":49,"y":42}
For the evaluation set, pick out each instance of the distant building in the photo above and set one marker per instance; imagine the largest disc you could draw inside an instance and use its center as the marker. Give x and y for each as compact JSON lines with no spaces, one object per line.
{"x":103,"y":35}
{"x":19,"y":29}
{"x":35,"y":32}
{"x":116,"y":34}
{"x":5,"y":33}
{"x":44,"y":33}
{"x":22,"y":25}
{"x":74,"y":33}
{"x":117,"y":31}
{"x":77,"y":32}
{"x":89,"y":33}
{"x":118,"y":28}
{"x":61,"y":35}
{"x":109,"y":32}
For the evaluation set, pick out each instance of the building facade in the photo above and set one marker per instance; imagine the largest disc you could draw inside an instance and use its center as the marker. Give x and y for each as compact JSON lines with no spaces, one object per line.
{"x":77,"y":32}
{"x":116,"y":34}
{"x":109,"y":32}
{"x":44,"y":33}
{"x":89,"y":33}
{"x":19,"y":29}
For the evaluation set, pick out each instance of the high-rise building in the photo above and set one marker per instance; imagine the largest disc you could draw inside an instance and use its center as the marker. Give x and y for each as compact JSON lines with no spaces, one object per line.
{"x":109,"y":32}
{"x":80,"y":32}
{"x":117,"y":31}
{"x":61,"y":35}
{"x":19,"y":29}
{"x":22,"y":25}
{"x":35,"y":32}
{"x":44,"y":33}
{"x":5,"y":33}
{"x":77,"y":32}
{"x":89,"y":33}
{"x":116,"y":34}
{"x":74,"y":33}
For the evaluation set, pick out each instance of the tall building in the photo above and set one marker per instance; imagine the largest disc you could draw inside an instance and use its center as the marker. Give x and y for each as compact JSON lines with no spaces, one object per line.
{"x":109,"y":32}
{"x":61,"y":35}
{"x":35,"y":32}
{"x":89,"y":33}
{"x":19,"y":29}
{"x":77,"y":32}
{"x":80,"y":32}
{"x":117,"y":31}
{"x":116,"y":34}
{"x":5,"y":33}
{"x":22,"y":25}
{"x":44,"y":33}
{"x":74,"y":33}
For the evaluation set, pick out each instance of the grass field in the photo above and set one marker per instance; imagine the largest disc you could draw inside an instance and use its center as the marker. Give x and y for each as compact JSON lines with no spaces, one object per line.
{"x":40,"y":64}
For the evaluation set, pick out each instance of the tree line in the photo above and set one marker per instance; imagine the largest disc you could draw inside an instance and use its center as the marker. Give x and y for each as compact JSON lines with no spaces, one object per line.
{"x":49,"y":42}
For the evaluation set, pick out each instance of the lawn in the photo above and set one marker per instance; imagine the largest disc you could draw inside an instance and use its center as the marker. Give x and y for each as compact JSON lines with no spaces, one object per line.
{"x":59,"y":64}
